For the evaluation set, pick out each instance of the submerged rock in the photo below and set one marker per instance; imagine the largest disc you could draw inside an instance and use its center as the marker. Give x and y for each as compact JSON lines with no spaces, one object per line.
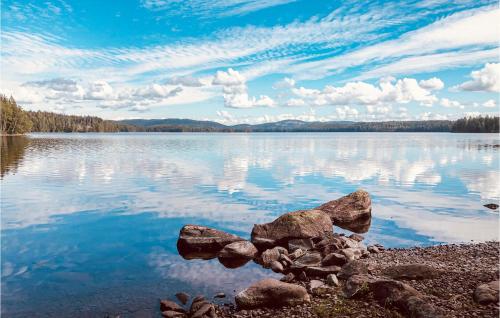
{"x":293,"y":225}
{"x":183,"y":297}
{"x":168,"y":305}
{"x":271,"y":293}
{"x":202,"y":240}
{"x":487,"y":293}
{"x":351,"y":212}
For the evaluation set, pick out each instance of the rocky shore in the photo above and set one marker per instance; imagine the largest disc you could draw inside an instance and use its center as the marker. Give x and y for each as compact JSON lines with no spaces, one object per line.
{"x":326,"y":274}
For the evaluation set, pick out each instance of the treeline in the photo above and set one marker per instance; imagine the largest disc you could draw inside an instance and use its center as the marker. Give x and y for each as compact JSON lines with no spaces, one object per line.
{"x":480,"y":124}
{"x":14,"y":120}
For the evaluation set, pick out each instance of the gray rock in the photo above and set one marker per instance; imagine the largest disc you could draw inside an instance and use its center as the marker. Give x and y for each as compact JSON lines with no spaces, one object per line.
{"x":277,"y":267}
{"x":298,"y":224}
{"x":204,"y":309}
{"x":240,"y":249}
{"x":355,"y":267}
{"x":271,"y":292}
{"x":334,"y":259}
{"x":317,"y":271}
{"x":309,"y":259}
{"x":313,"y":284}
{"x":332,"y":280}
{"x":358,"y":285}
{"x":373,"y":249}
{"x":201,"y":239}
{"x":487,"y":293}
{"x":352,"y":253}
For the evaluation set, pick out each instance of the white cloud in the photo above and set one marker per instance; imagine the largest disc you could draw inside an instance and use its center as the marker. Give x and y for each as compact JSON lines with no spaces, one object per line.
{"x":486,"y":79}
{"x":403,"y":91}
{"x":445,"y":102}
{"x":235,"y":91}
{"x":287,"y":82}
{"x":432,"y":84}
{"x":346,"y":112}
{"x":490,"y":103}
{"x":295,"y":102}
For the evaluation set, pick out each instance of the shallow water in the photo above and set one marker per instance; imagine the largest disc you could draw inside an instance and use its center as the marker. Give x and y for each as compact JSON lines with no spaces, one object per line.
{"x":90,"y":221}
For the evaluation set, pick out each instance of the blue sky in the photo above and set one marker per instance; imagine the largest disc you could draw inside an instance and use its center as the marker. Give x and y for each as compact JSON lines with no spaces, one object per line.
{"x":249,"y":61}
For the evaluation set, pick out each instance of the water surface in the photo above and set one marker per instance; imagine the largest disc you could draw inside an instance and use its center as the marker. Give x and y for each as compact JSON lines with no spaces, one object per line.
{"x":90,"y":221}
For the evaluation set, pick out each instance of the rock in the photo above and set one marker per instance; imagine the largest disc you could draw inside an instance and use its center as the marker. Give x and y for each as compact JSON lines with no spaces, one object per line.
{"x":233,"y":262}
{"x":183,"y":297}
{"x":168,"y":305}
{"x":353,"y":268}
{"x":173,"y":314}
{"x":285,"y":260}
{"x":271,"y":292}
{"x":351,"y":212}
{"x":351,"y":253}
{"x":277,"y":267}
{"x":373,"y":249}
{"x":317,"y":287}
{"x":317,"y":271}
{"x":358,"y":285}
{"x":356,"y":237}
{"x":220,"y":295}
{"x":303,"y":276}
{"x":304,"y":244}
{"x":313,"y":284}
{"x":293,"y":225}
{"x":309,"y":259}
{"x":334,"y":259}
{"x":332,"y":280}
{"x":204,"y":310}
{"x":492,"y":206}
{"x":203,"y":240}
{"x":272,"y":255}
{"x":288,"y":278}
{"x":197,"y":303}
{"x":296,"y":254}
{"x":402,"y":296}
{"x":240,"y":249}
{"x":487,"y":293}
{"x":411,"y":272}
{"x":349,"y":243}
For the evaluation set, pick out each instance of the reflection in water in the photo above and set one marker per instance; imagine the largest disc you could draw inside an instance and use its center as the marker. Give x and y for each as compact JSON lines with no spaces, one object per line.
{"x":12,"y":152}
{"x":94,"y":217}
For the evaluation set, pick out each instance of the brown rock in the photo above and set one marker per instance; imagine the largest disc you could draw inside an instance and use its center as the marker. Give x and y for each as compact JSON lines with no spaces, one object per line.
{"x":271,"y":255}
{"x":351,"y":212}
{"x":298,"y":224}
{"x":355,"y":267}
{"x":271,"y":292}
{"x":195,"y":239}
{"x":277,"y":267}
{"x":183,"y":297}
{"x":317,"y":271}
{"x":240,"y":249}
{"x":334,"y":259}
{"x":173,"y":314}
{"x":309,"y":259}
{"x":411,"y":272}
{"x":168,"y":305}
{"x":304,"y":244}
{"x":487,"y":293}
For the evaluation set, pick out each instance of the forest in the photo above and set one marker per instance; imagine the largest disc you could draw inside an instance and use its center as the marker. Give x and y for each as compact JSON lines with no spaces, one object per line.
{"x":15,"y":120}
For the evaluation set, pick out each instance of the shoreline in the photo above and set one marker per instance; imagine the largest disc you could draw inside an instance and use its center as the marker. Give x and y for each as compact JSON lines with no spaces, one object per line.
{"x":462,"y":268}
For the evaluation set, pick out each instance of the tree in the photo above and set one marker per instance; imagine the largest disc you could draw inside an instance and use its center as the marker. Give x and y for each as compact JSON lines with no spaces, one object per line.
{"x":14,"y":120}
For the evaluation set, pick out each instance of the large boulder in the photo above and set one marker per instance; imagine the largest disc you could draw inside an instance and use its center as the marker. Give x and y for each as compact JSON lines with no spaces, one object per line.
{"x":240,"y":249}
{"x":411,"y":272}
{"x":487,"y":293}
{"x":293,"y":225}
{"x":196,"y":241}
{"x":272,"y":293}
{"x":351,"y":212}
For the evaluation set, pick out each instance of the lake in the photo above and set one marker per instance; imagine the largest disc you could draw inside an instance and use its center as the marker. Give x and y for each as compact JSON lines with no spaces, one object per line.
{"x":90,"y":221}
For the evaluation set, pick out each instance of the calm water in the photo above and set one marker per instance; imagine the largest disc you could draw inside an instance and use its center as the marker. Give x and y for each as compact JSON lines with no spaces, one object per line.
{"x":90,"y":221}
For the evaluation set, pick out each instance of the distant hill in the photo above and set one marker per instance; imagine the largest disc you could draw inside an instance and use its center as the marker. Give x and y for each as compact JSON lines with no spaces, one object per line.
{"x":169,"y":125}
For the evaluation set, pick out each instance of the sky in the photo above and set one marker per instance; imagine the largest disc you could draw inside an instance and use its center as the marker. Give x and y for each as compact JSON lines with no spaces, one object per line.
{"x":253,"y":61}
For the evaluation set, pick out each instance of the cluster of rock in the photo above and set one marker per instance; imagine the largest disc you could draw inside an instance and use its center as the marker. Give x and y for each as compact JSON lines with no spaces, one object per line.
{"x":303,"y":247}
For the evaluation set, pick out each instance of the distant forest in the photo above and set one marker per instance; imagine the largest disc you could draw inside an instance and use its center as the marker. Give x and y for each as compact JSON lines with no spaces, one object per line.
{"x":15,"y":120}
